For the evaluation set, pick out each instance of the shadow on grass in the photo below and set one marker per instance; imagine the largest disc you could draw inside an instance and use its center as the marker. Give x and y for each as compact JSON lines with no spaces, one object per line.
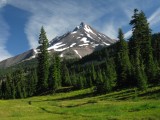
{"x":80,"y":96}
{"x":123,"y":95}
{"x":151,"y":94}
{"x":52,"y":112}
{"x":77,"y":105}
{"x":61,"y":113}
{"x":143,"y":107}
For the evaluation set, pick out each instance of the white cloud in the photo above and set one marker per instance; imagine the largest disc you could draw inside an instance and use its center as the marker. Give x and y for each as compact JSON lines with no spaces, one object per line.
{"x":3,"y":3}
{"x":154,"y":19}
{"x":128,"y":34}
{"x":58,"y":17}
{"x":4,"y":54}
{"x":110,"y":30}
{"x":4,"y":30}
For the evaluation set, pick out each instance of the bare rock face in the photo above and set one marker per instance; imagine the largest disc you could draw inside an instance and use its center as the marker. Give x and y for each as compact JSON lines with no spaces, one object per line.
{"x":82,"y":41}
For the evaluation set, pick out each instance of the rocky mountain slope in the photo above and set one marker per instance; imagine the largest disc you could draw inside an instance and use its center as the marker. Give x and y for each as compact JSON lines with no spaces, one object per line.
{"x":83,"y":40}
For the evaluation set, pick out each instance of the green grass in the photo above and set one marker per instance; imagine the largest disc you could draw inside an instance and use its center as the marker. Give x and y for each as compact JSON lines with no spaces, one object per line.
{"x":129,"y":104}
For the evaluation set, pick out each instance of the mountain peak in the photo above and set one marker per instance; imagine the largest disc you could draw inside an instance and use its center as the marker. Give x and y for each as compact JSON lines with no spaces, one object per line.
{"x":82,"y":24}
{"x":82,"y":41}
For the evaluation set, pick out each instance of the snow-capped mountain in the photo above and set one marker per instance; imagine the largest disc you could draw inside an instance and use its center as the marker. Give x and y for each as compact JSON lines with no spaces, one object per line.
{"x":83,"y":40}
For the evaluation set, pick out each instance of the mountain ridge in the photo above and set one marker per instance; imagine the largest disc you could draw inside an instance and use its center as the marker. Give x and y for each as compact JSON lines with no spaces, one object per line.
{"x":81,"y":41}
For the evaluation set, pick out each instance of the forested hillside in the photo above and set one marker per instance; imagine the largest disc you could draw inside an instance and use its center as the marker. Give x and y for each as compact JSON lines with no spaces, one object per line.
{"x":124,"y":64}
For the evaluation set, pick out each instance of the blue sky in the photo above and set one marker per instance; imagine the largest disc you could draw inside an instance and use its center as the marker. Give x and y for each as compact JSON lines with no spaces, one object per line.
{"x":21,"y":20}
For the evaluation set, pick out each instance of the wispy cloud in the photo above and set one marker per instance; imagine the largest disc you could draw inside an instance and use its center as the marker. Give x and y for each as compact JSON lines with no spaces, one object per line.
{"x":3,"y":3}
{"x":110,"y":30}
{"x":59,"y":16}
{"x":154,"y":19}
{"x":128,"y":34}
{"x":4,"y":34}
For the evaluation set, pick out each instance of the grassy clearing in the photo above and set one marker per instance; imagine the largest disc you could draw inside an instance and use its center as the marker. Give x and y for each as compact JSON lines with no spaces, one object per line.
{"x":129,"y":104}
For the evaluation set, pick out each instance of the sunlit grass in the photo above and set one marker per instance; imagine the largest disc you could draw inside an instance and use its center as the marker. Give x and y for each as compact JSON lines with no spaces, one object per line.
{"x":129,"y":104}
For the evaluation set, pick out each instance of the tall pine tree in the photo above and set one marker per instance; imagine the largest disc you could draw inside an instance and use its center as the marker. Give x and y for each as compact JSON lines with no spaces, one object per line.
{"x":123,"y":65}
{"x":139,"y":41}
{"x":43,"y":62}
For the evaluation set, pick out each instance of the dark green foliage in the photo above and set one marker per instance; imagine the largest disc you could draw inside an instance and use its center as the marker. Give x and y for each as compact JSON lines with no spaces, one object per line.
{"x":100,"y":82}
{"x":8,"y":90}
{"x":156,"y":55}
{"x":141,"y":42}
{"x":66,"y":81}
{"x":106,"y":79}
{"x":93,"y":73}
{"x":31,"y":80}
{"x":54,"y":80}
{"x":156,"y":47}
{"x":141,"y":79}
{"x":111,"y":75}
{"x":123,"y":65}
{"x":90,"y":83}
{"x":20,"y":86}
{"x":80,"y":83}
{"x":73,"y":79}
{"x":43,"y":62}
{"x":107,"y":84}
{"x":58,"y":67}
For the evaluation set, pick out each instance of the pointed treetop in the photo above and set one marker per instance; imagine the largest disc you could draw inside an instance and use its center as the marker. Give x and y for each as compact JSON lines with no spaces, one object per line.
{"x":42,"y":30}
{"x":42,"y":36}
{"x":120,"y":35}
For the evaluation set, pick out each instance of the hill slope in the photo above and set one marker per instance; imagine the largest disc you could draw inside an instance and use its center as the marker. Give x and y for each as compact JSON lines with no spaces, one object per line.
{"x":82,"y":41}
{"x":129,"y":104}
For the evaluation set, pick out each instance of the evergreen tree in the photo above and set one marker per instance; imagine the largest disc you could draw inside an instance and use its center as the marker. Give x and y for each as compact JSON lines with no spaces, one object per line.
{"x":156,"y":47}
{"x":100,"y":82}
{"x":90,"y":83}
{"x":66,"y":76}
{"x":110,"y":75}
{"x":8,"y":87}
{"x":93,"y":72}
{"x":13,"y":86}
{"x":43,"y":62}
{"x":13,"y":90}
{"x":0,"y":91}
{"x":85,"y":84}
{"x":54,"y":78}
{"x":20,"y":84}
{"x":146,"y":48}
{"x":156,"y":55}
{"x":73,"y":79}
{"x":80,"y":83}
{"x":123,"y":65}
{"x":136,"y":44}
{"x":31,"y":82}
{"x":107,"y":86}
{"x":58,"y":69}
{"x":19,"y":93}
{"x":3,"y":89}
{"x":140,"y":76}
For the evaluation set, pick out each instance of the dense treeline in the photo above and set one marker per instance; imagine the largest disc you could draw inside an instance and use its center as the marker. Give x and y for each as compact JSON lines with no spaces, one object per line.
{"x":124,"y":64}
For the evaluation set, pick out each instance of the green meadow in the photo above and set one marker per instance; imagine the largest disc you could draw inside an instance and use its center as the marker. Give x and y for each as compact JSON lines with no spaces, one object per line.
{"x":128,"y":104}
